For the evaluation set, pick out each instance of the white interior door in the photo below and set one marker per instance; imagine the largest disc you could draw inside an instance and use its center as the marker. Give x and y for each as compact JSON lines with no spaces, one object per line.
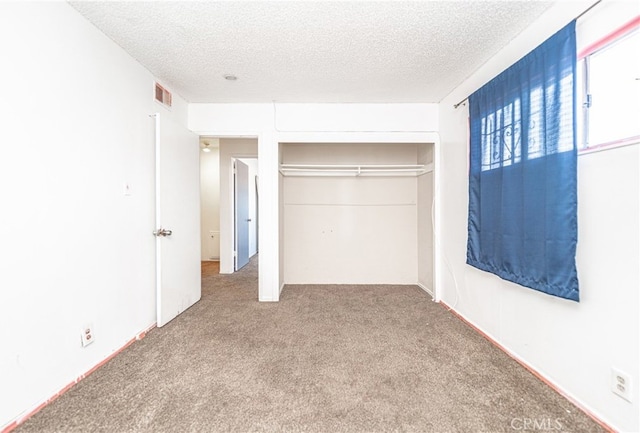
{"x":242,"y":220}
{"x":178,"y":284}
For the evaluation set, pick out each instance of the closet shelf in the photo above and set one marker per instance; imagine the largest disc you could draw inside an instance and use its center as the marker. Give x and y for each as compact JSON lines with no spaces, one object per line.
{"x":355,"y":169}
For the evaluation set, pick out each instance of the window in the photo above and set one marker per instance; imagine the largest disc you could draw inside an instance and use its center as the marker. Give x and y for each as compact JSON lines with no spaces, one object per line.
{"x":501,"y":140}
{"x":523,"y":171}
{"x":502,"y":132}
{"x":610,"y":90}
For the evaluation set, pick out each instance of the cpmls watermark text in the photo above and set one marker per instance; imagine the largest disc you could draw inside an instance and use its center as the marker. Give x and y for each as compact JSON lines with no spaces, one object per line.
{"x":536,"y":424}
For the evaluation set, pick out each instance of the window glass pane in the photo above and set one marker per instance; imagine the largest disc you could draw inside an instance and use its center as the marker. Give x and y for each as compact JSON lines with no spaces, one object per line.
{"x":536,"y":141}
{"x":614,"y":85}
{"x":566,"y":140}
{"x":511,"y":135}
{"x":501,"y":137}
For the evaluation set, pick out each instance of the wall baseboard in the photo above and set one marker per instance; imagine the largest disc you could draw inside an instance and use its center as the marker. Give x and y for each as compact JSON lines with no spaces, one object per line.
{"x":532,"y":370}
{"x":22,"y":418}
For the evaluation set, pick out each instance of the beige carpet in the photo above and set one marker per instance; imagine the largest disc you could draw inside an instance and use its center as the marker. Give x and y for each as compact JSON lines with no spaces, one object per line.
{"x":324,"y":359}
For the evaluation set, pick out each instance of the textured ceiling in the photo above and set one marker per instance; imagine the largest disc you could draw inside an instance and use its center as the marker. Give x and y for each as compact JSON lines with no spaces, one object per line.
{"x":329,"y":51}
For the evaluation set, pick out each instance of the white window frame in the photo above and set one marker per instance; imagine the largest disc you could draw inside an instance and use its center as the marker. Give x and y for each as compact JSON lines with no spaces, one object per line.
{"x":583,"y":60}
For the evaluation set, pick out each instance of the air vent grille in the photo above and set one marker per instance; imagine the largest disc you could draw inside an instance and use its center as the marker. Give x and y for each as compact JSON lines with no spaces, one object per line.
{"x":163,"y":96}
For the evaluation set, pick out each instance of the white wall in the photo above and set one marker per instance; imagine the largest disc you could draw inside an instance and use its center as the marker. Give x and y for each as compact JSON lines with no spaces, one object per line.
{"x":230,"y":148}
{"x":315,"y":123}
{"x":574,"y":345}
{"x":75,"y":249}
{"x":350,"y":230}
{"x":426,"y":215}
{"x":210,"y":201}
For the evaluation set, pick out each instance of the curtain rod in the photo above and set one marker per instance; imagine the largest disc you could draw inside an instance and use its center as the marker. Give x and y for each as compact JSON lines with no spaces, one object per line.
{"x":455,"y":106}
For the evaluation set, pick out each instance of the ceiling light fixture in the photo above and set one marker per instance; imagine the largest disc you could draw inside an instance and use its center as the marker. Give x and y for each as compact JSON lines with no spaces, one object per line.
{"x":206,"y":147}
{"x":230,"y":77}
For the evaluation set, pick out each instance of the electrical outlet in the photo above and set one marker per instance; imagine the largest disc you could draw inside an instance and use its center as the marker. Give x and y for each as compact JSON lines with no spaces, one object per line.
{"x":621,"y":384}
{"x":87,"y":335}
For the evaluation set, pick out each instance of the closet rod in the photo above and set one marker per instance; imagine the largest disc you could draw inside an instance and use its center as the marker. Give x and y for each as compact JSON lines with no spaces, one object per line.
{"x":352,"y":166}
{"x":355,"y":170}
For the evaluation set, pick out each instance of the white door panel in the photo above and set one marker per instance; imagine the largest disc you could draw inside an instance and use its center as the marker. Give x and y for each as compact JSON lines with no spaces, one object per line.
{"x":242,"y":220}
{"x":178,"y":282}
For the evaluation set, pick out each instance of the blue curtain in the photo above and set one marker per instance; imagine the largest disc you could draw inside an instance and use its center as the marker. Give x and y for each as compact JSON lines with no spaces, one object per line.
{"x":522,"y":179}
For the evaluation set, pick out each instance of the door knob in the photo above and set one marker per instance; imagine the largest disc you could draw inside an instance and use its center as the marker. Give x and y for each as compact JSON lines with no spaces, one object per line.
{"x":249,"y":220}
{"x":162,"y":232}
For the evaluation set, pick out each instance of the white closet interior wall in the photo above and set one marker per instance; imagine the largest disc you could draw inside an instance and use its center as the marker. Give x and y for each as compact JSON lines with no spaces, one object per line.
{"x":348,"y":229}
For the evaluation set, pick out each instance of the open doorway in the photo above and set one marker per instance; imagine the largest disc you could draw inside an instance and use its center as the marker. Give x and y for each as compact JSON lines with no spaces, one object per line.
{"x":368,"y":209}
{"x":210,"y":204}
{"x":218,"y":200}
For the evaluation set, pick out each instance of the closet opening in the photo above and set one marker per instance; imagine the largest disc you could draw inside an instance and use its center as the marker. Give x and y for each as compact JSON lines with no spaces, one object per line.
{"x":357,"y":213}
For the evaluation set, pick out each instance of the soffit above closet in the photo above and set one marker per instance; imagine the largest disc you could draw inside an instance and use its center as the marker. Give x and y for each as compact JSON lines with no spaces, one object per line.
{"x":336,"y":51}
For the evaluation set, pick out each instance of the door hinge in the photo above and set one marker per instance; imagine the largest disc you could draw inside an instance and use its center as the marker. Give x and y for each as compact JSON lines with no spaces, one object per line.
{"x":588,"y":101}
